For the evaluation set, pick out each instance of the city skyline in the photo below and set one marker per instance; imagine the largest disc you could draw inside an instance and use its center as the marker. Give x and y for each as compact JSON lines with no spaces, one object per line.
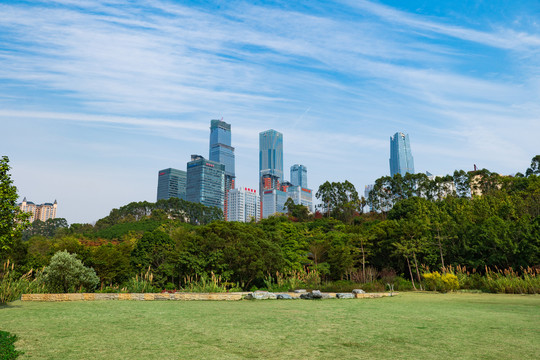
{"x":97,"y":96}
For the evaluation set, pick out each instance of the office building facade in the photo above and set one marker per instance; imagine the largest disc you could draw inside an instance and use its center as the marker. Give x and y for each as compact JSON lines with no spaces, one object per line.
{"x":401,"y":159}
{"x":244,"y":205}
{"x":205,"y":182}
{"x":301,"y":196}
{"x":222,"y":152}
{"x":41,"y":212}
{"x":171,"y":183}
{"x":270,"y":160}
{"x":273,"y":202}
{"x":299,"y":175}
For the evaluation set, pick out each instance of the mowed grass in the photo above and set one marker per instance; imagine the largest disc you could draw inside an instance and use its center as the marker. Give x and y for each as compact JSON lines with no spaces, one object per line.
{"x":408,"y":326}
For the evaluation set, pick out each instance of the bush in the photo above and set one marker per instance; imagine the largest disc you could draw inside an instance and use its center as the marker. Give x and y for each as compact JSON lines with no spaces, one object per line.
{"x":7,"y":346}
{"x":436,"y":282}
{"x":401,"y":284}
{"x":66,"y":273}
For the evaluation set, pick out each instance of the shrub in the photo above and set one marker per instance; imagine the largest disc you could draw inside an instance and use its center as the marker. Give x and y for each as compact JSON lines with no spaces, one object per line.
{"x":436,"y":282}
{"x":66,"y":273}
{"x":401,"y":284}
{"x":7,"y":346}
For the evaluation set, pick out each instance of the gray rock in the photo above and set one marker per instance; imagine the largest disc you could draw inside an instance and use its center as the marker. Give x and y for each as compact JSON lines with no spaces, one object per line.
{"x":345,"y":296}
{"x":327,"y":296}
{"x":300,"y":291}
{"x":317,"y":294}
{"x":284,"y":297}
{"x":358,"y":291}
{"x":261,"y":295}
{"x":306,"y":296}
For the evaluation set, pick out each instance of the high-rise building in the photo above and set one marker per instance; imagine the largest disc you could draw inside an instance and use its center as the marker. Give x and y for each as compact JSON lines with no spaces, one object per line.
{"x":299,"y":175}
{"x":205,"y":182}
{"x":171,"y":183}
{"x":244,"y":205}
{"x":367,"y":190}
{"x":401,"y":159}
{"x":301,"y":196}
{"x":222,"y":152}
{"x":273,"y":202}
{"x":270,"y":160}
{"x":41,"y":212}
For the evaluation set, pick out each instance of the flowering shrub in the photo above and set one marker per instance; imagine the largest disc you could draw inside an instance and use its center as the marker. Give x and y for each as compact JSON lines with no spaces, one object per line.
{"x":436,"y":282}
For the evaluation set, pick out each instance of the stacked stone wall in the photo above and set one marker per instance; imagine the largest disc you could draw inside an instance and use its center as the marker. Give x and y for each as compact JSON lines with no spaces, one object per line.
{"x":233,"y":296}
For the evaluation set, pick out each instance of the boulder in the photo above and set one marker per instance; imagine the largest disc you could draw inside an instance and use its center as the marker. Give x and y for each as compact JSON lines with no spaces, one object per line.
{"x":306,"y":296}
{"x":300,"y":291}
{"x":317,"y":294}
{"x":345,"y":296}
{"x":261,"y":295}
{"x":358,"y":291}
{"x":284,"y":297}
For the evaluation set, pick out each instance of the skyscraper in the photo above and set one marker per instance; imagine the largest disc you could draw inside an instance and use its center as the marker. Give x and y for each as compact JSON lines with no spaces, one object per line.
{"x":401,"y":159}
{"x":270,"y":160}
{"x":299,"y":175}
{"x":222,"y":152}
{"x":205,"y":182}
{"x":171,"y":183}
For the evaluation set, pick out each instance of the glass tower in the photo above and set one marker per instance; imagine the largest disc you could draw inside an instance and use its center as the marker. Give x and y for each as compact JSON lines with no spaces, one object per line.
{"x":171,"y":183}
{"x":205,"y":182}
{"x":221,"y":150}
{"x":299,"y":175}
{"x":270,"y":160}
{"x":401,"y":159}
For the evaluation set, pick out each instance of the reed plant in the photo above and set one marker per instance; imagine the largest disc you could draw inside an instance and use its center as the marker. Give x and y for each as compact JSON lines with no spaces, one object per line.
{"x":204,"y":284}
{"x":495,"y":280}
{"x":293,"y":280}
{"x":141,"y":283}
{"x":13,"y":286}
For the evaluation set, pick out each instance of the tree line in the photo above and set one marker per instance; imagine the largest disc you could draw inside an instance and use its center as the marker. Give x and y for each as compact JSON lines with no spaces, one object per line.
{"x":419,"y":225}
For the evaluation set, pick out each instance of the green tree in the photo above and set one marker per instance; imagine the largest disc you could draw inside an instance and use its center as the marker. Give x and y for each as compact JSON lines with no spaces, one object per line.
{"x":12,"y":221}
{"x":340,"y":200}
{"x":535,"y":166}
{"x":66,"y":273}
{"x":48,"y":228}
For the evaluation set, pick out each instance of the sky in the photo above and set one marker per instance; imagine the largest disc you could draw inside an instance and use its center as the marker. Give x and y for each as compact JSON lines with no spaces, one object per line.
{"x":96,"y":96}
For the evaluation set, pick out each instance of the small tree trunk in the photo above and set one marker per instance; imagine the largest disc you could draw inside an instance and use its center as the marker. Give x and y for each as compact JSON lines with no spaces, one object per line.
{"x":440,"y":246}
{"x":410,"y":272}
{"x":417,"y":272}
{"x":363,"y":262}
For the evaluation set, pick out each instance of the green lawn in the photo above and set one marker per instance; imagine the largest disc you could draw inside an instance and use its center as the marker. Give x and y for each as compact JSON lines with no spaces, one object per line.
{"x":408,"y":326}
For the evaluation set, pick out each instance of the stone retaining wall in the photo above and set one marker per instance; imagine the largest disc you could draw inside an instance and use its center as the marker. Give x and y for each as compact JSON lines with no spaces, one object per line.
{"x":163,"y":296}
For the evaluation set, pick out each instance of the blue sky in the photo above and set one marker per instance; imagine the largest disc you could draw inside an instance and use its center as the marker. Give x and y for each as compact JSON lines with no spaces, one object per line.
{"x":96,"y":96}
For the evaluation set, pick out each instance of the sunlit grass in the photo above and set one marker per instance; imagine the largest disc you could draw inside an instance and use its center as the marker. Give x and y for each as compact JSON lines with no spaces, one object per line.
{"x":411,"y":325}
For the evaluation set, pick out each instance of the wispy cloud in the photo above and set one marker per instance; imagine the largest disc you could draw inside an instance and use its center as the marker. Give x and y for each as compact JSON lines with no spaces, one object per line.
{"x":336,"y":78}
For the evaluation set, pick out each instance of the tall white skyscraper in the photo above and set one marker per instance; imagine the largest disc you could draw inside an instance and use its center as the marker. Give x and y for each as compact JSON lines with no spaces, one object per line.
{"x":244,"y":205}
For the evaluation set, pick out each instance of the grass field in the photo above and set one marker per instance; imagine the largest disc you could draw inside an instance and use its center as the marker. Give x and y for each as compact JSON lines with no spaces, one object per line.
{"x":408,"y":326}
